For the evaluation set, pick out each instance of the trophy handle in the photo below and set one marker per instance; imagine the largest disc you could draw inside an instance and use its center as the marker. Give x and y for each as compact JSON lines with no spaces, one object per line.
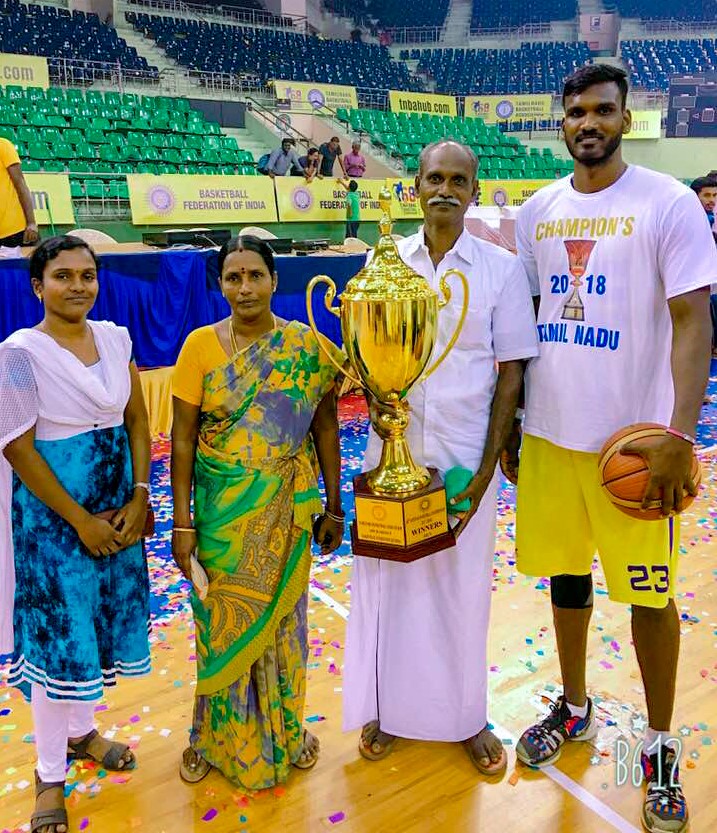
{"x":328,"y":298}
{"x":446,"y":290}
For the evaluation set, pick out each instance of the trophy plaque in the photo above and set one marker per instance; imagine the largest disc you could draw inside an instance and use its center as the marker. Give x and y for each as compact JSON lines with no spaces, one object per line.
{"x":389,"y":322}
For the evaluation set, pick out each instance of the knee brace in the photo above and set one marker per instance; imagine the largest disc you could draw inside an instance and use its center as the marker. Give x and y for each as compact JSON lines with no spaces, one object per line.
{"x":571,"y":592}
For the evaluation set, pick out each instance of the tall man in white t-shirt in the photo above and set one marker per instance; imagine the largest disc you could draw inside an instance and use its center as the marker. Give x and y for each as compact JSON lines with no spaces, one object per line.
{"x":621,"y":261}
{"x":416,"y":643}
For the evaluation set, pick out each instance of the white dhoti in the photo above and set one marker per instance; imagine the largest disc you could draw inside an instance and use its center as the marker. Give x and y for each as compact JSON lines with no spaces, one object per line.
{"x":417,"y":634}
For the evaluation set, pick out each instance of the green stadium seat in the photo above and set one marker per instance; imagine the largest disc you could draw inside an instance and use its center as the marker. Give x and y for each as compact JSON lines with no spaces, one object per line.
{"x":54,"y":166}
{"x":80,"y":166}
{"x":125,"y":168}
{"x":156,"y":140}
{"x":101,"y":123}
{"x":55,"y":94}
{"x":31,"y":165}
{"x":113,"y":99}
{"x":94,"y":189}
{"x":95,"y":137}
{"x":63,"y":150}
{"x":229,"y":170}
{"x":166,"y":168}
{"x":117,"y":189}
{"x":147,"y":168}
{"x":130,"y":100}
{"x":109,"y":153}
{"x":10,"y":118}
{"x":77,"y":192}
{"x":175,"y":140}
{"x":342,"y":114}
{"x":190,"y":155}
{"x":14,"y":93}
{"x":8,"y":133}
{"x":172,"y":155}
{"x":85,"y":151}
{"x":209,"y":157}
{"x":149,"y":154}
{"x":136,"y":139}
{"x":39,"y":150}
{"x":37,"y":119}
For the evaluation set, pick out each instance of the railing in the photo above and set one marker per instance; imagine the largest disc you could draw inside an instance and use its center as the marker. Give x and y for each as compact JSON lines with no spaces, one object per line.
{"x":277,"y":121}
{"x":66,"y":72}
{"x":527,"y":30}
{"x":235,"y":14}
{"x":415,"y":34}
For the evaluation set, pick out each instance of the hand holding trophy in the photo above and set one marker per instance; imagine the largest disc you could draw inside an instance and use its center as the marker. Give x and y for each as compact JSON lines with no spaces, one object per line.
{"x":389,"y":323}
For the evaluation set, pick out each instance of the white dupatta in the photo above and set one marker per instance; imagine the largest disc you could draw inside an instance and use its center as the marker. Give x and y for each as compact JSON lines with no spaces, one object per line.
{"x":46,"y":386}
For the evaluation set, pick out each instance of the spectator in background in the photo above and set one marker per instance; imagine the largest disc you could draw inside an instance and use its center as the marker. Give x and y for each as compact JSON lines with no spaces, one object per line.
{"x":327,"y":156}
{"x":283,"y":159}
{"x":354,"y":162}
{"x":17,"y":217}
{"x":309,"y":165}
{"x":353,"y":207}
{"x":706,"y":189}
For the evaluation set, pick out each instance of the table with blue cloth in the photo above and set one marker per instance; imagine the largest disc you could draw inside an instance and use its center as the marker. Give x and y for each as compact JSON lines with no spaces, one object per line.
{"x":162,"y":296}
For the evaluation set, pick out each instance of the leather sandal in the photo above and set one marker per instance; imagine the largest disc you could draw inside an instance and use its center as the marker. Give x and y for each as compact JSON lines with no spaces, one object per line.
{"x":111,"y":760}
{"x":48,"y":818}
{"x":311,"y":755}
{"x":194,"y":768}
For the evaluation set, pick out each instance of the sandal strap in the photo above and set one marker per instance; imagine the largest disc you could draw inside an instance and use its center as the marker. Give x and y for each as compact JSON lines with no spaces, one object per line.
{"x":44,"y":818}
{"x":80,"y":747}
{"x":43,"y":786}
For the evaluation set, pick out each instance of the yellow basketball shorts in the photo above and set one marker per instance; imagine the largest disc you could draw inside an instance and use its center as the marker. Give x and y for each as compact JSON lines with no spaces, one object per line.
{"x":563,"y":518}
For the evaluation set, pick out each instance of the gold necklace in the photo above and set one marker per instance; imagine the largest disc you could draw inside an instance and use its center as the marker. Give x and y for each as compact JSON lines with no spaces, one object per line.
{"x":233,"y":338}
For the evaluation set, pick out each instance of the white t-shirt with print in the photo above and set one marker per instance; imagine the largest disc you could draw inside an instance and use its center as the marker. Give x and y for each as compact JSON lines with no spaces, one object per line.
{"x":604,"y":358}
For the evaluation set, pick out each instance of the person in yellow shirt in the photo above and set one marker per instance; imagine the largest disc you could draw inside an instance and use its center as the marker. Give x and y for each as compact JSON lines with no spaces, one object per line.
{"x":17,"y":217}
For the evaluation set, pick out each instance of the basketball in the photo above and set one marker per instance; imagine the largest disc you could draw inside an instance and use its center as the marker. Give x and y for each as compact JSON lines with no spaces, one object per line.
{"x":624,"y":477}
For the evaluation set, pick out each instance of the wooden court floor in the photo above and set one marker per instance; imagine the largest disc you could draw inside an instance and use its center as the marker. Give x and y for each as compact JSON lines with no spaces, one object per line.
{"x":421,"y":787}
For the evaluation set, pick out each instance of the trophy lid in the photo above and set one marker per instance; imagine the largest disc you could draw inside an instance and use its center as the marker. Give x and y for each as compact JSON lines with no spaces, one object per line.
{"x":387,"y":277}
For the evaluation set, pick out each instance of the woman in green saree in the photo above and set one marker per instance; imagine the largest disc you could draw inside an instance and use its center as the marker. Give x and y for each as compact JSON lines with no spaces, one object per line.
{"x":254,"y":410}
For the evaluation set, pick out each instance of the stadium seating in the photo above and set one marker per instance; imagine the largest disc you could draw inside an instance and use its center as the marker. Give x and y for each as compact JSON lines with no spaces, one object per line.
{"x":534,"y":68}
{"x":508,"y":14}
{"x":501,"y":156}
{"x":60,"y":34}
{"x":388,"y":13}
{"x":652,"y":62}
{"x":264,"y":54}
{"x":114,"y":134}
{"x":682,"y":10}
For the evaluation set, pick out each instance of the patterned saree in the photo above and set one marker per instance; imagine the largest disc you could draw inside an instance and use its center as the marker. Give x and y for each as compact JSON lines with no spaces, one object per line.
{"x":255,"y":491}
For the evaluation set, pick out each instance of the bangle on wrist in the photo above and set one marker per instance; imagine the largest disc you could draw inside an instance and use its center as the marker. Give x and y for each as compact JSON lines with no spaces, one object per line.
{"x":183,"y":529}
{"x":688,"y":438}
{"x":335,"y":517}
{"x":144,"y":486}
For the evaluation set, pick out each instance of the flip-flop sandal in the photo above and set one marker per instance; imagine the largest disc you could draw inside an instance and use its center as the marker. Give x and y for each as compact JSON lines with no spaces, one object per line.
{"x":48,"y":818}
{"x":193,"y":773}
{"x":111,"y":759}
{"x":377,"y":750}
{"x":490,"y":770}
{"x":310,"y":762}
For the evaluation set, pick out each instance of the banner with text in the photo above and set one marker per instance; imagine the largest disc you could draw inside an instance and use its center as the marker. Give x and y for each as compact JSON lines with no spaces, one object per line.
{"x":51,"y":199}
{"x":431,"y":103}
{"x":179,"y":199}
{"x":509,"y":192}
{"x":405,"y":204}
{"x":23,"y":71}
{"x":323,"y":199}
{"x":646,"y":124}
{"x":496,"y":108}
{"x":305,"y":97}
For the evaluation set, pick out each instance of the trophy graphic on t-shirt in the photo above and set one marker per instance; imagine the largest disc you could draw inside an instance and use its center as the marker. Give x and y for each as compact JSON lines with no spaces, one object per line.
{"x":578,"y":256}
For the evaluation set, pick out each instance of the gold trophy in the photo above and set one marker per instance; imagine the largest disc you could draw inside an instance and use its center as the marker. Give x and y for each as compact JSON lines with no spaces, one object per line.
{"x":389,"y":323}
{"x":578,"y":256}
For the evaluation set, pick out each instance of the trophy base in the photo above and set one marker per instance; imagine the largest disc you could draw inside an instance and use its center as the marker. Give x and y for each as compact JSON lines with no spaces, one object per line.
{"x":573,"y":314}
{"x":403,"y":527}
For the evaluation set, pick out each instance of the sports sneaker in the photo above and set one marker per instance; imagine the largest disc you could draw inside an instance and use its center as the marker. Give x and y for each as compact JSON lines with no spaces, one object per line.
{"x":665,"y":808}
{"x":540,"y":744}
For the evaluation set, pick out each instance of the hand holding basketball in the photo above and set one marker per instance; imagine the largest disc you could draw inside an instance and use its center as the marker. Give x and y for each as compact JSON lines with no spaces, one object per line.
{"x":670,"y":460}
{"x":648,"y":473}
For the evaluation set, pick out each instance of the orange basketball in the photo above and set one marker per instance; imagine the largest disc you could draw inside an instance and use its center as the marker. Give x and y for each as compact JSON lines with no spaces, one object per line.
{"x":625,"y":476}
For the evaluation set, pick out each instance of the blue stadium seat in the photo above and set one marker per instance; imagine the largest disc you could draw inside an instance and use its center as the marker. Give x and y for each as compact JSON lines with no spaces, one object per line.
{"x":534,"y":68}
{"x":60,"y":35}
{"x":513,"y":13}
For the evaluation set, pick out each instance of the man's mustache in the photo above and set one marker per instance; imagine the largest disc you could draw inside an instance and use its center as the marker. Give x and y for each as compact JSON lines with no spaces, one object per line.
{"x":444,"y":201}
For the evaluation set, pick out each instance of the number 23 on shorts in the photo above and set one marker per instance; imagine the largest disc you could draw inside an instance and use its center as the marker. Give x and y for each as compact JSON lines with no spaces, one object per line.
{"x":656,"y":578}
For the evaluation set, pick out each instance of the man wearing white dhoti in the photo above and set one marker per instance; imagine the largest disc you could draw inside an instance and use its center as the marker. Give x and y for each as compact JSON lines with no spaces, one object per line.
{"x":416,"y":645}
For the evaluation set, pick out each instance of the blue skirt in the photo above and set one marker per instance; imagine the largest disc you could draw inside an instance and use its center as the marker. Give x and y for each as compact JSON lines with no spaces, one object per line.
{"x":79,"y":620}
